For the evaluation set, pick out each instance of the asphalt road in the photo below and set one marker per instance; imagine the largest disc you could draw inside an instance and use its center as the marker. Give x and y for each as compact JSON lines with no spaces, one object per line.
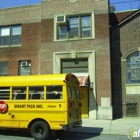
{"x":25,"y":135}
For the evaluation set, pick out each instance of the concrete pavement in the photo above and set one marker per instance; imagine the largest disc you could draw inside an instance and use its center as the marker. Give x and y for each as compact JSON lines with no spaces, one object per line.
{"x":118,"y":126}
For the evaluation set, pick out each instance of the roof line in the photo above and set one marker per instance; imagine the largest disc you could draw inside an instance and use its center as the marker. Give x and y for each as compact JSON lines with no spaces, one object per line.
{"x":126,"y":11}
{"x":21,"y":6}
{"x":126,"y":19}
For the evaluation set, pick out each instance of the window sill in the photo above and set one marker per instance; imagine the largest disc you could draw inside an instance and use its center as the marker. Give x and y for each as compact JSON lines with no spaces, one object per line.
{"x":73,"y":39}
{"x":132,"y":84}
{"x":13,"y":46}
{"x":19,"y":45}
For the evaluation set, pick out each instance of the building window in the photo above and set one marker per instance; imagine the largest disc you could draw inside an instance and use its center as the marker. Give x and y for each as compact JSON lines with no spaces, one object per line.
{"x":24,"y":67}
{"x":75,"y":27}
{"x":10,"y":35}
{"x":133,"y":68}
{"x":3,"y":68}
{"x":74,"y":66}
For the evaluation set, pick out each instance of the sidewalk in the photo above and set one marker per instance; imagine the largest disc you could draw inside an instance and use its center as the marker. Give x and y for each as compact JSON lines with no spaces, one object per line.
{"x":119,"y":126}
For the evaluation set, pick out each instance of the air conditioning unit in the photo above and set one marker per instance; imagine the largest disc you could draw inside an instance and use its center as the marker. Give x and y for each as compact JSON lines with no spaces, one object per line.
{"x":61,"y":19}
{"x":24,"y":64}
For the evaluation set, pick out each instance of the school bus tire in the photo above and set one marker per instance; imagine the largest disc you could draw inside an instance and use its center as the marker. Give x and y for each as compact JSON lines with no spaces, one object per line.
{"x":40,"y":130}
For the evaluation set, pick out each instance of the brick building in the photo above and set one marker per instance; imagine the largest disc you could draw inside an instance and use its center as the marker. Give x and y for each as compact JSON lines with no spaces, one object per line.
{"x":69,"y":36}
{"x":125,"y":52}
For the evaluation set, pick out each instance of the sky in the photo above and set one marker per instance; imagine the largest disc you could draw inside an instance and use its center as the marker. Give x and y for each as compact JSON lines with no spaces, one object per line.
{"x":15,"y":3}
{"x":123,"y":5}
{"x":120,"y":5}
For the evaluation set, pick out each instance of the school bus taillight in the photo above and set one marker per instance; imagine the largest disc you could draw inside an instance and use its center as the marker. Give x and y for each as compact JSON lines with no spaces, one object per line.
{"x":80,"y":104}
{"x":69,"y":104}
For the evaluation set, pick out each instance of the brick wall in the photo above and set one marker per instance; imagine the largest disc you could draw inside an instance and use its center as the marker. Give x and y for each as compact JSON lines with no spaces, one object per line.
{"x":100,"y":44}
{"x":38,"y":38}
{"x":125,"y":40}
{"x":29,"y":18}
{"x":24,"y":14}
{"x":52,"y":7}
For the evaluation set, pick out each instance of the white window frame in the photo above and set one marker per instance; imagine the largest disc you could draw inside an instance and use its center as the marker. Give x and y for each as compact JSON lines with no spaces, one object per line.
{"x":56,"y":24}
{"x":10,"y":34}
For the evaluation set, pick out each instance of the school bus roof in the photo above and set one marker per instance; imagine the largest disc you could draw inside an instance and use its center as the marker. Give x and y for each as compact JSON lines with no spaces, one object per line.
{"x":49,"y":79}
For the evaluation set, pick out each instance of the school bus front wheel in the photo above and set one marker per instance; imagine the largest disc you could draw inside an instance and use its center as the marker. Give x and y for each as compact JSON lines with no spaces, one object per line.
{"x":40,"y":130}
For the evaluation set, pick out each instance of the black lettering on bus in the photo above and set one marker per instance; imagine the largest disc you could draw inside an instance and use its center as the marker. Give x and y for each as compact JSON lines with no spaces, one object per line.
{"x":39,"y":106}
{"x":19,"y":106}
{"x":30,"y":106}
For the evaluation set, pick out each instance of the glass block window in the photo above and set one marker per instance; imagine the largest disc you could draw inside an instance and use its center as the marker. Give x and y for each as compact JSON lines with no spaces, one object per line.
{"x":133,"y":68}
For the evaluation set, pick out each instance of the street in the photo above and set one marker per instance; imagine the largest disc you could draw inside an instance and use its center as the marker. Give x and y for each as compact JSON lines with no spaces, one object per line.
{"x":25,"y":135}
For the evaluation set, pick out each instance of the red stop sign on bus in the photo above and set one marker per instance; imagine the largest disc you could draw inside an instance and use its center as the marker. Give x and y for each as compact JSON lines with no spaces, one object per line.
{"x":3,"y":106}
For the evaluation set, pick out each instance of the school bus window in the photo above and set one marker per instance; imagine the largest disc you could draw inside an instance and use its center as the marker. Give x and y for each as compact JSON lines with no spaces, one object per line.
{"x":74,"y":93}
{"x":19,"y":93}
{"x":4,"y":93}
{"x":54,"y":92}
{"x":36,"y":92}
{"x":69,"y":92}
{"x":78,"y":94}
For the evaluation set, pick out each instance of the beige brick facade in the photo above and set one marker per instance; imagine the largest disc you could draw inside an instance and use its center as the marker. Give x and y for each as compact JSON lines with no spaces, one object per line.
{"x":125,"y":41}
{"x":38,"y":43}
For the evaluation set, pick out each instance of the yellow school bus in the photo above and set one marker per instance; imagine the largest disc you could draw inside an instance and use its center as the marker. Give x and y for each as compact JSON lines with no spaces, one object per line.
{"x":40,"y":103}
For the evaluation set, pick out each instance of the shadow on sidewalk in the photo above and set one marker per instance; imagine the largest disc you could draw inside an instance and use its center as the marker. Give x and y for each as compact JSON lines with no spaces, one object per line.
{"x":15,"y":132}
{"x":87,"y":130}
{"x":80,"y":133}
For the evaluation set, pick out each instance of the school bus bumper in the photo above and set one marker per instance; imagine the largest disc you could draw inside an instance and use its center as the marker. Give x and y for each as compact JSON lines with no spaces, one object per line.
{"x":72,"y":125}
